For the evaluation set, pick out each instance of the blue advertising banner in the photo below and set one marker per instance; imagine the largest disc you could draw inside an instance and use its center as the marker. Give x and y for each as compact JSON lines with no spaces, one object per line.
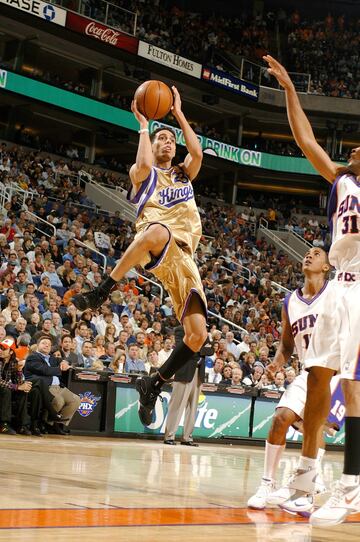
{"x":229,"y":82}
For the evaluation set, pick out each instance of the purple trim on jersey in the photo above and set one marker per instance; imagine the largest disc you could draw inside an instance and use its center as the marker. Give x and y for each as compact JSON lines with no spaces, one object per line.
{"x":141,"y":190}
{"x":150,"y":266}
{"x":310,"y":301}
{"x":286,"y":303}
{"x":337,"y":395}
{"x":332,"y":204}
{"x":354,"y":180}
{"x":149,"y":193}
{"x":193,"y":291}
{"x":357,"y":368}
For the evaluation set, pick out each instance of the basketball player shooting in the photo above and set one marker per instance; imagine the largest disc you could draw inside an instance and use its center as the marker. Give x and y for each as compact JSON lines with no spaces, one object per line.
{"x":299,"y":313}
{"x":168,"y":231}
{"x":335,"y":342}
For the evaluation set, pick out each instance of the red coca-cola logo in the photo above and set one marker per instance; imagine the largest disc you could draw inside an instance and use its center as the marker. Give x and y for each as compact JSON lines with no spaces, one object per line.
{"x":103,"y":34}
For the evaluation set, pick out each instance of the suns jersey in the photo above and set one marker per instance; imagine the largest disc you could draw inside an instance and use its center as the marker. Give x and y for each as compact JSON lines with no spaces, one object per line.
{"x":302,"y":315}
{"x":167,"y":197}
{"x":344,"y":221}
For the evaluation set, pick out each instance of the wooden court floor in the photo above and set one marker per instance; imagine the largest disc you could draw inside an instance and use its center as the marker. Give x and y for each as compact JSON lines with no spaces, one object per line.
{"x":80,"y":488}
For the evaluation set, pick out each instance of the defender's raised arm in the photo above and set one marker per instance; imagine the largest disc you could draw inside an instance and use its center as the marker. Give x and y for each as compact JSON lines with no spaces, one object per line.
{"x":300,"y":125}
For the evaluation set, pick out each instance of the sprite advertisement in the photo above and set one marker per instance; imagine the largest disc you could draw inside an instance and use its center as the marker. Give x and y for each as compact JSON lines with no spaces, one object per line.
{"x":217,"y":415}
{"x":263,"y":415}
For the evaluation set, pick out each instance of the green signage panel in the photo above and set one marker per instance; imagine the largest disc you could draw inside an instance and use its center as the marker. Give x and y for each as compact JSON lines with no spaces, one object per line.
{"x":92,"y":108}
{"x":263,"y":415}
{"x":217,"y":415}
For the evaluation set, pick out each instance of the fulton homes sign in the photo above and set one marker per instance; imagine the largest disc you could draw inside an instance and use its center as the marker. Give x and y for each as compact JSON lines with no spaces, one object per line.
{"x":172,"y":60}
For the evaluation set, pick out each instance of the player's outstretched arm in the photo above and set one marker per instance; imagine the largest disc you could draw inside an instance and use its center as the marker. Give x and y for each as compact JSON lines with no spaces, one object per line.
{"x":300,"y":125}
{"x":144,"y":158}
{"x":285,"y":348}
{"x":193,"y":160}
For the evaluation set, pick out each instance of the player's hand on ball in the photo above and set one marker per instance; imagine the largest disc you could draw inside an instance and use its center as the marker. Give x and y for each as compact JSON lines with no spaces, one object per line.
{"x":176,"y":108}
{"x":139,"y":116}
{"x":278,"y":71}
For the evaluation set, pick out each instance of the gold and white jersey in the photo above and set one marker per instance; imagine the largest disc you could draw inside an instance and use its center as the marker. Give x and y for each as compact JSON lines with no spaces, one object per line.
{"x":167,"y":197}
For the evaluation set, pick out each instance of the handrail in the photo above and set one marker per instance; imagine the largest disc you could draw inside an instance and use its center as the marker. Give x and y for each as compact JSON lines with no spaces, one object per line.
{"x":152,"y":282}
{"x":280,"y":287}
{"x":126,"y":207}
{"x":239,"y":265}
{"x":279,"y":241}
{"x":45,"y":222}
{"x":301,"y":238}
{"x":238,"y":274}
{"x":93,"y":250}
{"x":219,"y":317}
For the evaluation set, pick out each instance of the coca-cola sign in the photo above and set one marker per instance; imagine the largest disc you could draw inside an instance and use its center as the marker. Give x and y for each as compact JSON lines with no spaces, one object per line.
{"x":100,"y":32}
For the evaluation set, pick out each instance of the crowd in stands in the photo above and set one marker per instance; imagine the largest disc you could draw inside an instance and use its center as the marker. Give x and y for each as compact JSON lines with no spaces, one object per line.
{"x":133,"y":331}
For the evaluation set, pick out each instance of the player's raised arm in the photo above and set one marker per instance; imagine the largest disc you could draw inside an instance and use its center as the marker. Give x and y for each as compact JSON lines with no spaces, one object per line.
{"x":144,"y":157}
{"x":300,"y":125}
{"x":285,"y":348}
{"x":193,"y":160}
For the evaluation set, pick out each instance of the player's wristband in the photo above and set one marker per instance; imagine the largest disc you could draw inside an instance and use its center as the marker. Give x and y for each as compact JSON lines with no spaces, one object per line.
{"x":143,"y":130}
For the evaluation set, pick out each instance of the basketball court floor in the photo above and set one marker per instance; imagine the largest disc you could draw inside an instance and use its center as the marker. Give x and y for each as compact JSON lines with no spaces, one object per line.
{"x":80,"y":488}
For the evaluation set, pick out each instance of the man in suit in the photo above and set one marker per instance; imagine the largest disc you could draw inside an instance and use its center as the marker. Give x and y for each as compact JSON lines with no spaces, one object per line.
{"x":185,"y":394}
{"x":42,"y":365}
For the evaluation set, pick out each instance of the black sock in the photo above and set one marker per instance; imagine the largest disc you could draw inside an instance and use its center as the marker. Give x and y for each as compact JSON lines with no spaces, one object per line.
{"x":107,"y":284}
{"x":352,"y":446}
{"x":177,"y":359}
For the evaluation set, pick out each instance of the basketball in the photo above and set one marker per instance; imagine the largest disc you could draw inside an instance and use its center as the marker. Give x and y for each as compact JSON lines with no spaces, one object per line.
{"x":154,"y":99}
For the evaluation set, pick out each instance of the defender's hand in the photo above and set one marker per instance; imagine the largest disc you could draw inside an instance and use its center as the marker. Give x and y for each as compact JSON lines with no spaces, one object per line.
{"x":272,"y":369}
{"x":278,"y":71}
{"x":142,"y":120}
{"x":176,"y":108}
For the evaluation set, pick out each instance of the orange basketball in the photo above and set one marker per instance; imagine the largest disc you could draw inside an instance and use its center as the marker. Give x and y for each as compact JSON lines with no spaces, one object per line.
{"x":154,"y":99}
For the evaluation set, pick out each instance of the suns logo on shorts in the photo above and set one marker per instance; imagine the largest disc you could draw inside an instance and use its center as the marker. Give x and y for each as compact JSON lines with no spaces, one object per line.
{"x":88,"y":403}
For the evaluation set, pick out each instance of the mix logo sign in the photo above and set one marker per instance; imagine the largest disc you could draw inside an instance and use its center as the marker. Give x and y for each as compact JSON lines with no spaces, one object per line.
{"x":88,"y":403}
{"x":40,"y":9}
{"x":217,"y":148}
{"x":172,"y":60}
{"x":229,"y":82}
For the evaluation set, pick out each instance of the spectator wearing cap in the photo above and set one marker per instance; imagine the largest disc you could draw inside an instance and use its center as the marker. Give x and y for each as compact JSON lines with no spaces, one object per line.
{"x":12,"y":388}
{"x":42,"y":365}
{"x":133,"y":364}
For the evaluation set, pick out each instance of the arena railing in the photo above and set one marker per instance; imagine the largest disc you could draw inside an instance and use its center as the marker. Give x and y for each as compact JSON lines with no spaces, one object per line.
{"x":104,"y":12}
{"x":152,"y":282}
{"x":78,"y":242}
{"x":263,"y":228}
{"x":226,"y":321}
{"x":38,"y":218}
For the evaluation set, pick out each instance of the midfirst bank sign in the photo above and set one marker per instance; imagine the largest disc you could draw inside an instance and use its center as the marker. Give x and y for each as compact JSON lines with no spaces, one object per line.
{"x":217,"y":148}
{"x":229,"y":82}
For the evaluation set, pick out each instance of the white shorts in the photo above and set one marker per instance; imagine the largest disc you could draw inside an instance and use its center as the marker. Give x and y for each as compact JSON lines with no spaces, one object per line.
{"x":294,"y":397}
{"x":335,"y":341}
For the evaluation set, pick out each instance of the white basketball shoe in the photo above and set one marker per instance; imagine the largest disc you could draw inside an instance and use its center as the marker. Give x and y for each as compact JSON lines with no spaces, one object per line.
{"x":258,"y":501}
{"x":345,"y":500}
{"x":298,"y":494}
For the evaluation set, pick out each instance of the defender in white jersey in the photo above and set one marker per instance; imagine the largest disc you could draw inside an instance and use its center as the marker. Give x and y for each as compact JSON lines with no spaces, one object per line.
{"x":335,"y":343}
{"x":300,"y":311}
